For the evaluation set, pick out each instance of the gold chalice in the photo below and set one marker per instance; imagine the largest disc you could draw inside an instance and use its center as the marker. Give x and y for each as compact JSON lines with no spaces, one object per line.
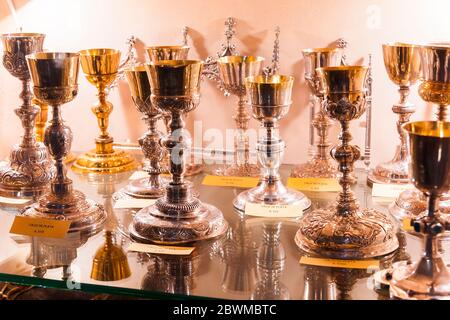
{"x":270,"y":100}
{"x":158,"y":53}
{"x":152,"y":186}
{"x":434,"y":88}
{"x":178,"y":217}
{"x":429,"y":278}
{"x":55,"y":79}
{"x":402,"y":62}
{"x":345,"y":230}
{"x":232,"y":72}
{"x":100,"y":67}
{"x":320,"y":165}
{"x":28,"y":172}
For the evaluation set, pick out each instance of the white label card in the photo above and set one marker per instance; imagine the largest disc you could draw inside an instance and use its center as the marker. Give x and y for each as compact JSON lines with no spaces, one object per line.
{"x":170,"y":250}
{"x":277,"y":211}
{"x":133,"y":203}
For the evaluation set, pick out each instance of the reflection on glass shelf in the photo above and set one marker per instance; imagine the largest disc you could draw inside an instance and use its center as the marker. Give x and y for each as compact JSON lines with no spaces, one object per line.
{"x":256,"y":259}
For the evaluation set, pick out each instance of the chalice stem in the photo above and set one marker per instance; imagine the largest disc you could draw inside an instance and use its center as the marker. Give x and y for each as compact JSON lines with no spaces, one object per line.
{"x":27,"y":114}
{"x":155,"y":168}
{"x":241,"y":141}
{"x":322,"y":125}
{"x":57,"y":122}
{"x":404,"y":114}
{"x":176,"y":149}
{"x":102,"y":112}
{"x":442,"y":112}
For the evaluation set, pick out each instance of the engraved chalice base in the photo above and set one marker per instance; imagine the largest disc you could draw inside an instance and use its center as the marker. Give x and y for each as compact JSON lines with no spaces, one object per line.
{"x":408,"y":283}
{"x":113,"y":162}
{"x":411,"y":203}
{"x":364,"y":234}
{"x":395,"y":172}
{"x":272,"y":194}
{"x":85,"y":215}
{"x":28,"y":172}
{"x":238,"y":170}
{"x":151,"y":225}
{"x":316,"y":168}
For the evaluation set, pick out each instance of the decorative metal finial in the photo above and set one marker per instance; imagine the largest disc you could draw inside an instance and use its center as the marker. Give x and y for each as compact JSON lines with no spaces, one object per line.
{"x":275,"y":66}
{"x":129,"y":61}
{"x":368,"y":134}
{"x":228,"y":49}
{"x":185,"y":35}
{"x":342,"y":44}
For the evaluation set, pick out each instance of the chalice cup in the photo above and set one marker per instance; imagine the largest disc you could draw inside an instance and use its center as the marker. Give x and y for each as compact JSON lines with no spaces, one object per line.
{"x":152,"y":186}
{"x":178,"y":216}
{"x":429,"y":278}
{"x":270,"y":100}
{"x":232,"y":72}
{"x":434,"y":88}
{"x":158,"y":53}
{"x":402,"y":62}
{"x":100,"y":67}
{"x":345,"y":230}
{"x":28,"y":172}
{"x":320,"y":165}
{"x":55,"y":76}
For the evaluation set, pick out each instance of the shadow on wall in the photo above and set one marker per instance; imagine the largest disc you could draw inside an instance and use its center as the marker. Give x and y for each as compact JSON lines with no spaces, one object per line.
{"x":8,"y":5}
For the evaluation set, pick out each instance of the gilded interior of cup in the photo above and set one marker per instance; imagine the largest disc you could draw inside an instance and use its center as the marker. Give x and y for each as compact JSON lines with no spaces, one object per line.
{"x":435,"y":60}
{"x":234,"y":69}
{"x":54,"y":69}
{"x":402,"y":62}
{"x":319,"y":58}
{"x":273,"y":90}
{"x":175,"y":77}
{"x":429,"y":143}
{"x":138,"y":82}
{"x":158,"y":53}
{"x":99,"y":62}
{"x":343,"y":79}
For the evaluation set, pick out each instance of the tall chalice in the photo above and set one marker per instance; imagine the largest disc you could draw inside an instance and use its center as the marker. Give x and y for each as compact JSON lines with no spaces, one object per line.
{"x":345,"y":230}
{"x":55,"y":80}
{"x":100,"y":67}
{"x":429,"y":278}
{"x":178,"y":216}
{"x":28,"y":172}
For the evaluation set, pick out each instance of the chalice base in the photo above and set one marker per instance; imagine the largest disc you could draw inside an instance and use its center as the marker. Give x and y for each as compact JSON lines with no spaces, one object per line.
{"x":86,"y":216}
{"x":316,"y":168}
{"x":411,"y":203}
{"x":382,"y":279}
{"x":395,"y":172}
{"x":28,"y":173}
{"x":142,"y":189}
{"x":238,"y":170}
{"x":114,"y":162}
{"x":274,"y":193}
{"x":409,"y":283}
{"x":150,"y":225}
{"x":366,"y":233}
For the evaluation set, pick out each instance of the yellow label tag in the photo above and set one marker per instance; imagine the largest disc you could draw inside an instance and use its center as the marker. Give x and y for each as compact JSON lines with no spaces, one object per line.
{"x":339,"y":263}
{"x":14,"y":200}
{"x":314,"y":184}
{"x":277,"y":211}
{"x":133,"y":203}
{"x":37,"y":227}
{"x":407,"y":224}
{"x":236,"y":182}
{"x":150,"y":248}
{"x":389,"y":190}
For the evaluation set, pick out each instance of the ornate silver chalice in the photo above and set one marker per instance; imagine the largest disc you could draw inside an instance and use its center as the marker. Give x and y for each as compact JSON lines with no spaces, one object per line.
{"x":28,"y":172}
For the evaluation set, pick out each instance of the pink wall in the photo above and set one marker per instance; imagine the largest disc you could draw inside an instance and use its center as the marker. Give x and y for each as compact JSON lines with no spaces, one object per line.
{"x":75,"y":25}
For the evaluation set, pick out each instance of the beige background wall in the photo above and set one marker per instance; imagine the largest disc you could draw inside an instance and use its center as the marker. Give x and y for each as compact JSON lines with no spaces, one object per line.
{"x":73,"y":25}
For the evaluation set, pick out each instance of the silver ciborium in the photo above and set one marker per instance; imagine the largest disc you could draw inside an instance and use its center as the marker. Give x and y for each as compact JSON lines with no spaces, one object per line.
{"x":344,"y":230}
{"x":177,"y":217}
{"x":270,"y":100}
{"x":320,"y":165}
{"x":28,"y":172}
{"x":232,"y":72}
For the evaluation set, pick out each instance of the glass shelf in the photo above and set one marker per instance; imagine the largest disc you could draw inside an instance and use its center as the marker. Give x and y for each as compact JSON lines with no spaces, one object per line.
{"x":256,"y":259}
